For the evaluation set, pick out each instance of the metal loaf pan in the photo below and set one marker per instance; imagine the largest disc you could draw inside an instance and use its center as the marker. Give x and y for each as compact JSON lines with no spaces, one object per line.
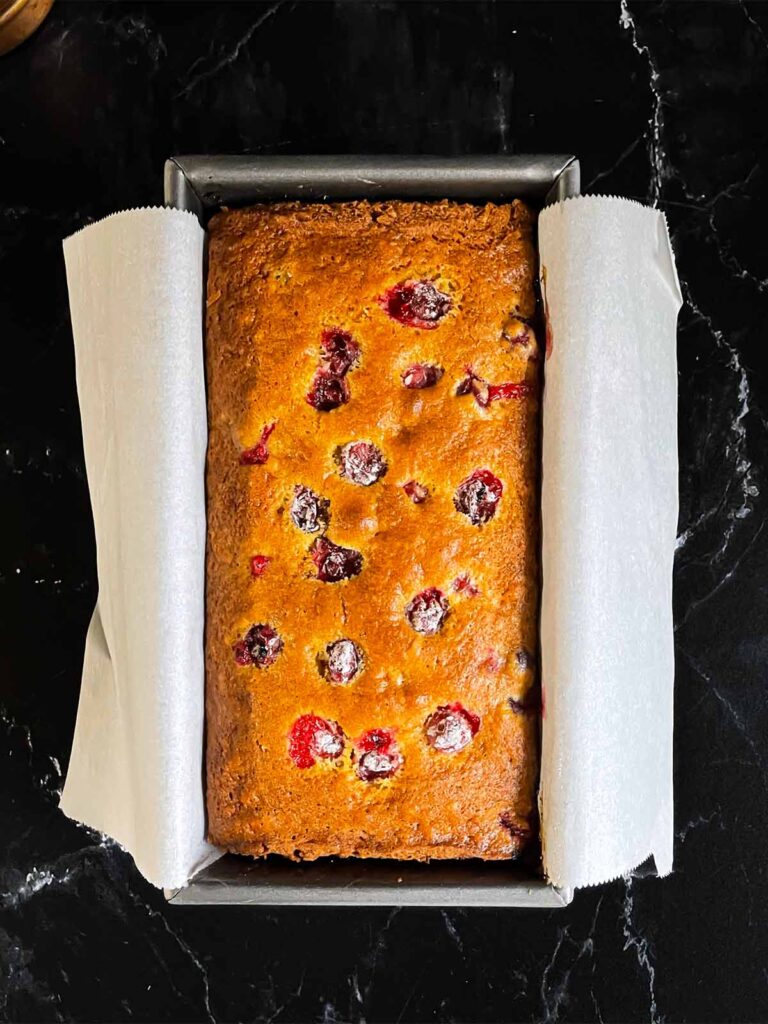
{"x":202,"y":184}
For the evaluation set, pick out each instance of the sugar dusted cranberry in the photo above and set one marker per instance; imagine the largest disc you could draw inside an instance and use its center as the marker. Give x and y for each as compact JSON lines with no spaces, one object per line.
{"x":362,"y":463}
{"x":309,"y":512}
{"x":421,"y":375}
{"x":344,"y":661}
{"x":259,"y":454}
{"x":260,"y":646}
{"x":478,"y":496}
{"x":335,"y":563}
{"x":377,"y":755}
{"x":427,"y":612}
{"x":259,"y":564}
{"x":416,"y":304}
{"x":524,"y":658}
{"x":450,"y":728}
{"x":312,"y":737}
{"x":328,"y":391}
{"x":464,"y":585}
{"x":340,"y":351}
{"x":377,"y":764}
{"x":417,"y":492}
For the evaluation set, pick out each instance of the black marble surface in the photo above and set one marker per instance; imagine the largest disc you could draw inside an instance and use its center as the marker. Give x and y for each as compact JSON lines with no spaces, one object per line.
{"x":663,"y":102}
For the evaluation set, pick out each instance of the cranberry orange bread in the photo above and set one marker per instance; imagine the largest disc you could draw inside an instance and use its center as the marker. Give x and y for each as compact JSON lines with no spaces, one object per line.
{"x":372,"y":530}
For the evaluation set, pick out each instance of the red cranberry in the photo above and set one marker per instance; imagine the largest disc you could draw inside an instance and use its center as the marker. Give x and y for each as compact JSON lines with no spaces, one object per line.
{"x":427,"y":612}
{"x":260,"y":646}
{"x":478,"y":495}
{"x":242,"y":654}
{"x":417,"y":492}
{"x":345,"y":659}
{"x":486,"y":393}
{"x":451,"y":728}
{"x":340,"y":351}
{"x":375,"y":739}
{"x":328,"y":391}
{"x":518,"y":830}
{"x":421,"y":375}
{"x":493,"y":662}
{"x":521,"y":707}
{"x":335,"y":563}
{"x":362,"y":463}
{"x":259,"y":564}
{"x":259,"y":454}
{"x":474,"y":385}
{"x":416,"y":304}
{"x":309,"y":511}
{"x":517,"y":332}
{"x":312,"y":737}
{"x":377,"y":755}
{"x":464,"y":585}
{"x":508,"y":390}
{"x":464,"y":387}
{"x":482,"y":392}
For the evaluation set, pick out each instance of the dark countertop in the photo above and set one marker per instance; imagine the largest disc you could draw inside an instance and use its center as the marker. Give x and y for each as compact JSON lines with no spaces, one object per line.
{"x":661,"y":102}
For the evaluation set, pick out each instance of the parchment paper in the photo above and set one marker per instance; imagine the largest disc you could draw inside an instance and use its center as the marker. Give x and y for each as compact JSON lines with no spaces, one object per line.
{"x":609,"y":509}
{"x":135,"y":292}
{"x":609,"y":518}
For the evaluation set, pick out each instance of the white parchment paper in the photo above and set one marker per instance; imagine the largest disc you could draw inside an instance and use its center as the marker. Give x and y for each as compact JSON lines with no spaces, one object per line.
{"x":135,"y":293}
{"x":609,"y":508}
{"x":609,"y":518}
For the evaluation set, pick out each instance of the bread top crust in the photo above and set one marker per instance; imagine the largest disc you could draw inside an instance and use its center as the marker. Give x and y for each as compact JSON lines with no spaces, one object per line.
{"x":280,"y":275}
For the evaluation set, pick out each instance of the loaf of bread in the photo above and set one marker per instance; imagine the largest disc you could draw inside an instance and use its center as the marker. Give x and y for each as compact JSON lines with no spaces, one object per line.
{"x":372,"y":567}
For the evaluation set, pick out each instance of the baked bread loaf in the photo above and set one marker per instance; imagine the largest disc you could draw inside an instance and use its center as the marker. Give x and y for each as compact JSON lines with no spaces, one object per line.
{"x":372,"y":567}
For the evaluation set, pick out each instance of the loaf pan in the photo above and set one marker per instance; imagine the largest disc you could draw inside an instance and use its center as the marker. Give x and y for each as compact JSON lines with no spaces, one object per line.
{"x":202,"y":184}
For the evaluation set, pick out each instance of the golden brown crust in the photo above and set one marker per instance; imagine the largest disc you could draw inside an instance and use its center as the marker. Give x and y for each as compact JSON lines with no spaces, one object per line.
{"x":278,"y":276}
